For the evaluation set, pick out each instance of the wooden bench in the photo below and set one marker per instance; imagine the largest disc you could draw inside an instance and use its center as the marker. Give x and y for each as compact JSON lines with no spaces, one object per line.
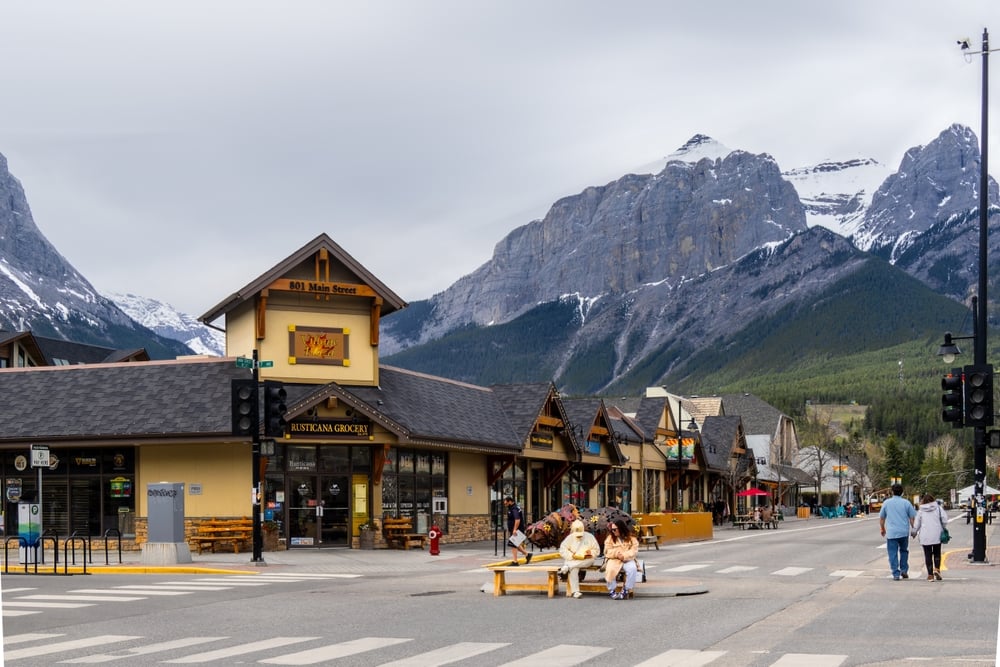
{"x":501,"y":585}
{"x":551,"y":585}
{"x":399,"y":533}
{"x":237,"y":533}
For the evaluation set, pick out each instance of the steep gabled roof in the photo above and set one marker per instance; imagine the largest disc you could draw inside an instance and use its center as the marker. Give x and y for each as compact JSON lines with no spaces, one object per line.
{"x":391,"y":302}
{"x":585,"y":412}
{"x":720,"y":435}
{"x":758,"y":417}
{"x":433,"y":410}
{"x":525,"y":403}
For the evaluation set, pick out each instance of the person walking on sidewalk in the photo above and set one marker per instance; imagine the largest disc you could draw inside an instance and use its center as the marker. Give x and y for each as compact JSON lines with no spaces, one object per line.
{"x":515,"y":526}
{"x":931,"y":520}
{"x":895,"y":520}
{"x":578,"y":550}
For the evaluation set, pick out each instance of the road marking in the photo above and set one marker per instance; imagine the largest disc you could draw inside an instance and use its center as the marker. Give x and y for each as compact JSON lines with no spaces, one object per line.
{"x":679,"y":657}
{"x":334,"y":651}
{"x":688,"y":568}
{"x":45,"y":605}
{"x":791,"y":571}
{"x":83,"y":598}
{"x":241,"y":649}
{"x":30,"y":637}
{"x":446,"y":655}
{"x":736,"y":568}
{"x":71,"y":645}
{"x":847,"y":573}
{"x":143,"y":650}
{"x":809,"y":660}
{"x":137,"y":588}
{"x":564,"y":655}
{"x":14,"y":612}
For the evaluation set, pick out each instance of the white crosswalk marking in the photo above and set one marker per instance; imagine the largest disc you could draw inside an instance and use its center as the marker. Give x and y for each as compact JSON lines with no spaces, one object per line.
{"x":687,"y":568}
{"x":143,"y":589}
{"x":143,"y":650}
{"x":847,"y":573}
{"x":46,"y":605}
{"x":62,"y":647}
{"x":791,"y":571}
{"x":809,"y":660}
{"x":446,"y":655}
{"x":564,"y":655}
{"x":315,"y":656}
{"x":240,"y":649}
{"x":83,"y":598}
{"x":737,"y":568}
{"x":29,"y":637}
{"x":679,"y":657}
{"x":19,"y":612}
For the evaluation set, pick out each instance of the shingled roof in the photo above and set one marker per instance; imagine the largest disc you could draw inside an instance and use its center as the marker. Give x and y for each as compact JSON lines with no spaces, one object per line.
{"x":157,"y":399}
{"x":758,"y":417}
{"x":437,"y":410}
{"x":721,"y":434}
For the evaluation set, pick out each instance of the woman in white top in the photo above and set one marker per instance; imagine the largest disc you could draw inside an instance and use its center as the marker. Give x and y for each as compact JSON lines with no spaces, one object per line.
{"x":931,"y":520}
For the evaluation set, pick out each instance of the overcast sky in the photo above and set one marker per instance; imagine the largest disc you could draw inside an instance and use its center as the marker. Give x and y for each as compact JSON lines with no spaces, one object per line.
{"x":178,"y":149}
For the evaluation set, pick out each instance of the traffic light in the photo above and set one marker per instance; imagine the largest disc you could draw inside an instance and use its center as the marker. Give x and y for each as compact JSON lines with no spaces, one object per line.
{"x":952,"y":399}
{"x":244,"y":407}
{"x":979,"y":395}
{"x":274,"y":409}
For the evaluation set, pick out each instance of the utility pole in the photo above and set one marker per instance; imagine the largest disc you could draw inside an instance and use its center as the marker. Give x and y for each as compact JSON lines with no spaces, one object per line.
{"x":979,"y":440}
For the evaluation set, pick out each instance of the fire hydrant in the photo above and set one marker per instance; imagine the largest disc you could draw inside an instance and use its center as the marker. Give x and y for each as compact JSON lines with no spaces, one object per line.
{"x":434,"y":535}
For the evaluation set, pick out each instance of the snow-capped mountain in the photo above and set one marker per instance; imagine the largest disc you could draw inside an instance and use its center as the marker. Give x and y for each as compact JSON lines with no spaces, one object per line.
{"x":837,"y":194}
{"x":165,"y":320}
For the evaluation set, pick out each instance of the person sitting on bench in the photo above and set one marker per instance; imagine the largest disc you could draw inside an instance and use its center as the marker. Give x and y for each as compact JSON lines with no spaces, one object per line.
{"x":578,"y":550}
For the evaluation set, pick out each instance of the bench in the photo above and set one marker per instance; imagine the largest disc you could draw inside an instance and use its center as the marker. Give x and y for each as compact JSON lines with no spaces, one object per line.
{"x":551,"y":585}
{"x":501,"y":585}
{"x":237,"y":533}
{"x":399,"y":533}
{"x":648,"y":536}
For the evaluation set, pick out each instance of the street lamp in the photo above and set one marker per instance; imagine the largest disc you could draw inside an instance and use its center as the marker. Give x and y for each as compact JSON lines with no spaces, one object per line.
{"x":692,"y":428}
{"x":979,"y":330}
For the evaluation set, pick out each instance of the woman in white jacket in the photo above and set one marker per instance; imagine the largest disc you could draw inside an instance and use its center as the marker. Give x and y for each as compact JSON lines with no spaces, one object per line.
{"x":931,"y":520}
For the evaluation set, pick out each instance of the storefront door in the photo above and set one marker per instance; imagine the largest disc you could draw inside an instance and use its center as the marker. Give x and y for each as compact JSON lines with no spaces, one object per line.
{"x":318,"y":511}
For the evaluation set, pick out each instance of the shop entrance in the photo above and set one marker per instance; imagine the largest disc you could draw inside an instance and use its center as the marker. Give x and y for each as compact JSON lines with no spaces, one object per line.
{"x":319,"y":511}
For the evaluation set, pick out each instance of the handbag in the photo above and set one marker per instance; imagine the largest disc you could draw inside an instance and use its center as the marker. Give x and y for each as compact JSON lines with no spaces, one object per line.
{"x":945,"y":536}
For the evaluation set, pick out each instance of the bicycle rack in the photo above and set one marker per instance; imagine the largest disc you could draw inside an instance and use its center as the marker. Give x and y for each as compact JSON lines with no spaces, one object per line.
{"x":72,"y":539}
{"x":21,"y":543}
{"x":118,"y":534}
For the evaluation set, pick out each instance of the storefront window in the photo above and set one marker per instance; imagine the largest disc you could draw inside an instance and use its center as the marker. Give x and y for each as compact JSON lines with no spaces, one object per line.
{"x":410,"y":481}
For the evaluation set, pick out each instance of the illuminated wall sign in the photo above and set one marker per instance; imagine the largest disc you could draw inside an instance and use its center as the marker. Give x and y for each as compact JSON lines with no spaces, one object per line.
{"x":319,"y":345}
{"x":331,"y":428}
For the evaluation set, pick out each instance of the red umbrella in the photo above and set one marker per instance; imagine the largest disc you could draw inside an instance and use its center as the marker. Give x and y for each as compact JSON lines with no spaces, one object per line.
{"x":752,"y":492}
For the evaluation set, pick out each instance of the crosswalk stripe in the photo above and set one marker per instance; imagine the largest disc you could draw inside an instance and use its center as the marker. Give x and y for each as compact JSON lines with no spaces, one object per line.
{"x":679,"y":657}
{"x":60,"y":647}
{"x":19,"y":612}
{"x":446,"y":655}
{"x":8,"y":591}
{"x":309,"y":575}
{"x":791,"y":571}
{"x":564,"y":655}
{"x":687,"y":568}
{"x":737,"y":568}
{"x":30,"y":637}
{"x":180,"y":587}
{"x":137,"y":589}
{"x":82,"y":598}
{"x":241,"y":649}
{"x":847,"y":573}
{"x":46,"y":605}
{"x":143,"y":650}
{"x":809,"y":660}
{"x":315,"y":656}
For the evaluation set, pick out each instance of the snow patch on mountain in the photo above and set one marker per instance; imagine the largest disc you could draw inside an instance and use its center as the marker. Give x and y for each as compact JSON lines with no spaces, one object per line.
{"x":165,"y":320}
{"x":837,"y":194}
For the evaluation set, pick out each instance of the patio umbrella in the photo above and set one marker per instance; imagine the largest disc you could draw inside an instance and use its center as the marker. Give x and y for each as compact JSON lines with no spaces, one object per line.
{"x":752,"y":492}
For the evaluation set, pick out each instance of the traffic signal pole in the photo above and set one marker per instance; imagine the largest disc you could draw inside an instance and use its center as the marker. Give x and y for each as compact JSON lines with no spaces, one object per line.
{"x":979,"y":439}
{"x":257,"y":536}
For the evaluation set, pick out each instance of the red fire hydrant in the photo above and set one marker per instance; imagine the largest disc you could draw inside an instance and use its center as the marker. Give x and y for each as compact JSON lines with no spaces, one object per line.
{"x":434,"y":535}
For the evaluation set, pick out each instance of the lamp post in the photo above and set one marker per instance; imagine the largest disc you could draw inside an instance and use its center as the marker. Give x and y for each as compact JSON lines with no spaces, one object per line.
{"x":692,"y":428}
{"x":949,"y":349}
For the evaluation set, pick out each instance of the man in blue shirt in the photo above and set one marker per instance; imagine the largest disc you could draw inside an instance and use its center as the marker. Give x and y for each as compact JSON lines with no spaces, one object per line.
{"x":896,"y":520}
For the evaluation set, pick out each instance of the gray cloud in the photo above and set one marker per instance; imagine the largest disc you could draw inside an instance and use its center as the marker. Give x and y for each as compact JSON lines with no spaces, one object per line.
{"x":178,"y":149}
